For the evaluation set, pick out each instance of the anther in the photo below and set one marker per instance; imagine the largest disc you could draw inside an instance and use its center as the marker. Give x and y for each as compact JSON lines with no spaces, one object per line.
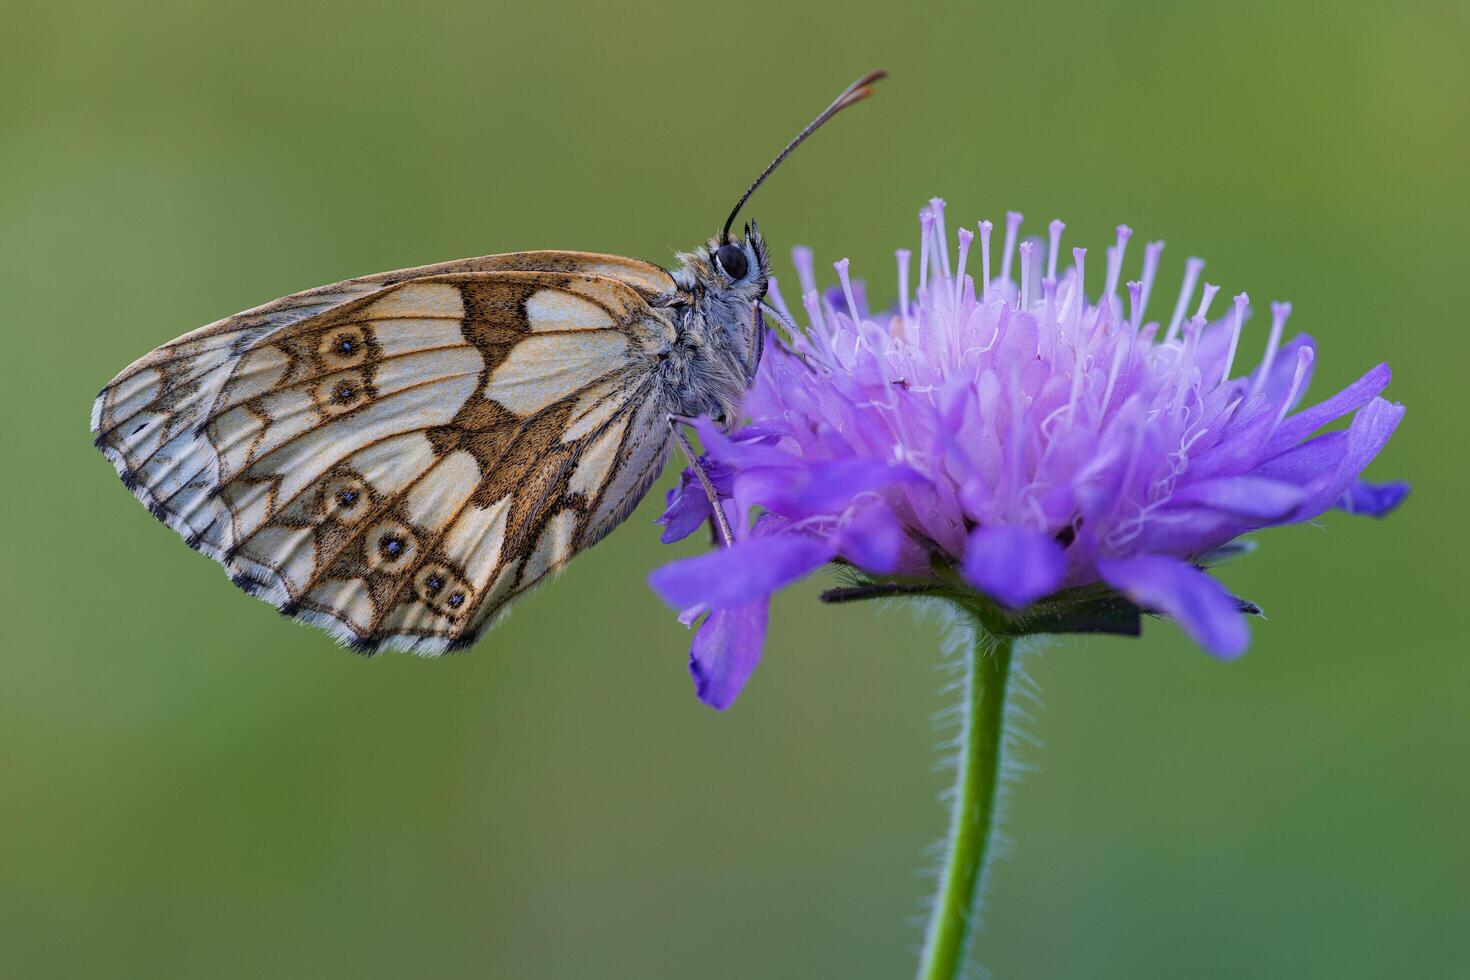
{"x":985,"y":229}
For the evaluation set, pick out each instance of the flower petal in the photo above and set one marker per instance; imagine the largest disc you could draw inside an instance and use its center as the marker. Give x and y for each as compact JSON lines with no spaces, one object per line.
{"x":688,"y":508}
{"x":1294,"y":428}
{"x":1014,"y":564}
{"x":726,"y":650}
{"x":1206,"y":611}
{"x":1366,"y":437}
{"x":820,"y":488}
{"x":734,"y":576}
{"x":873,"y":540}
{"x":1373,"y":499}
{"x":1248,"y":496}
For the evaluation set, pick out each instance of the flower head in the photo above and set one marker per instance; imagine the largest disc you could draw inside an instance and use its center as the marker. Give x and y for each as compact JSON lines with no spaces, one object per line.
{"x":1023,"y":432}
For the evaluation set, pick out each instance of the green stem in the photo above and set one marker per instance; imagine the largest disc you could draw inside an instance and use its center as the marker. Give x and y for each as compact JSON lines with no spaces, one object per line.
{"x":972,"y":820}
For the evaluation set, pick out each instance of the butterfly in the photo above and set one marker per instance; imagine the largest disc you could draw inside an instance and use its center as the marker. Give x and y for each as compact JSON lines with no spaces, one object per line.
{"x":396,"y":458}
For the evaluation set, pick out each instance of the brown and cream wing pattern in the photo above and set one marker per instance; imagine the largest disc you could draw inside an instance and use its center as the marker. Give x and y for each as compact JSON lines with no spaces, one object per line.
{"x":397,"y":457}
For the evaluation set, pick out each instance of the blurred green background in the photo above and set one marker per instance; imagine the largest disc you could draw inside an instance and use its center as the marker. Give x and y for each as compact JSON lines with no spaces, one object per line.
{"x":192,"y":786}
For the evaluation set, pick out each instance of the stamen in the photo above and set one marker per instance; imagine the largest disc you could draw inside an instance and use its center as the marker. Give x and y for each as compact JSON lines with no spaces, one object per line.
{"x":1185,"y":371}
{"x":1120,"y":351}
{"x":801,"y":257}
{"x":936,"y":204}
{"x":926,"y":234}
{"x":812,"y":302}
{"x":1054,"y":234}
{"x":1067,"y":295}
{"x":1304,"y":358}
{"x":1279,"y":313}
{"x":966,"y":236}
{"x":1115,"y":261}
{"x":903,"y":256}
{"x":1079,"y":293}
{"x":852,"y":310}
{"x":985,"y":228}
{"x":1192,"y":268}
{"x":1206,"y":300}
{"x":1013,"y":226}
{"x":1151,"y":253}
{"x":1023,"y":298}
{"x":1236,"y":322}
{"x":1135,"y":305}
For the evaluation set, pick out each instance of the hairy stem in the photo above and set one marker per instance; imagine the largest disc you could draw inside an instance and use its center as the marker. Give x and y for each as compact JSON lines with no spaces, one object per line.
{"x":972,"y":818}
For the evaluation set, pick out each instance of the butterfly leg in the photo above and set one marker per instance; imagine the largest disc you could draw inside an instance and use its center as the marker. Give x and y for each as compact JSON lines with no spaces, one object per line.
{"x":721,"y":520}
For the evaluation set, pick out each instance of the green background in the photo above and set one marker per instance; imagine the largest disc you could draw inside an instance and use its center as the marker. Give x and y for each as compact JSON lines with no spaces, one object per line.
{"x":192,"y":786}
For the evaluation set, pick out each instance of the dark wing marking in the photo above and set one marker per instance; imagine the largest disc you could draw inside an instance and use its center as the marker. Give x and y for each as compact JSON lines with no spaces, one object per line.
{"x":395,"y":462}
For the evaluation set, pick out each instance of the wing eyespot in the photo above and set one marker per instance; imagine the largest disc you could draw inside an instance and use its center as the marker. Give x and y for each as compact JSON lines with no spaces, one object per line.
{"x":344,"y":347}
{"x":390,"y":547}
{"x":341,"y":393}
{"x":345,"y":499}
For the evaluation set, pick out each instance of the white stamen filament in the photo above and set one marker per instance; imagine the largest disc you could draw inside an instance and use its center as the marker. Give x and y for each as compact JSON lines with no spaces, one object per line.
{"x":942,"y":239}
{"x":1204,"y":302}
{"x":1013,"y":226}
{"x":1023,"y":298}
{"x":985,"y":228}
{"x":1079,"y":291}
{"x":1184,"y":373}
{"x":926,"y":232}
{"x":1151,"y":253}
{"x":852,"y":310}
{"x":1241,"y":302}
{"x":1120,"y":352}
{"x":903,"y":255}
{"x":1192,"y":268}
{"x":966,"y":236}
{"x":1279,"y":313}
{"x":1054,"y":244}
{"x":801,"y":257}
{"x":1304,"y":358}
{"x":1115,"y":261}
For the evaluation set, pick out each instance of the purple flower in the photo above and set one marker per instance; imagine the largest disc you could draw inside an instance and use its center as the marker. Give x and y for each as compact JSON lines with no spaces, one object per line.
{"x":1004,"y":434}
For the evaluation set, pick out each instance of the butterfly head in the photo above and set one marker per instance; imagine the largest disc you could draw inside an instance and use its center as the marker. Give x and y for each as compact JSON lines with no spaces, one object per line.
{"x":734,"y":269}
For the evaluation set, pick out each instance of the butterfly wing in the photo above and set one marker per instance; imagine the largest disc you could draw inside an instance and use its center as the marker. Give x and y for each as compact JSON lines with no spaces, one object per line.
{"x":395,"y":458}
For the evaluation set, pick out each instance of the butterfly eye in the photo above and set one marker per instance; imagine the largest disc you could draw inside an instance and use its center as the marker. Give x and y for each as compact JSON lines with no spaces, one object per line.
{"x":732,"y":260}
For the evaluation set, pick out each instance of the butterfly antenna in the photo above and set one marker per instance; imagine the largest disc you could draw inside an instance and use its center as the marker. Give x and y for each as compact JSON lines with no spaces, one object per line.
{"x":853,"y":94}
